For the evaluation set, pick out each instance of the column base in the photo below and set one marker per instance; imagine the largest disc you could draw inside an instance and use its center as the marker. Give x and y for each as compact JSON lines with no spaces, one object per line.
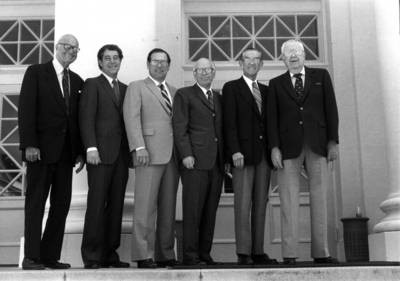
{"x":384,"y":246}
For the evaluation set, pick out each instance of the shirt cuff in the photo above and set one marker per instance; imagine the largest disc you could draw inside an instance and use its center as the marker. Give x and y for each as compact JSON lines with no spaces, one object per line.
{"x":140,"y":148}
{"x":93,"y":148}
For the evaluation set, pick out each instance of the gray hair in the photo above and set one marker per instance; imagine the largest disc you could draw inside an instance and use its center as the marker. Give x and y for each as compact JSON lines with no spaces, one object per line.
{"x":292,"y":41}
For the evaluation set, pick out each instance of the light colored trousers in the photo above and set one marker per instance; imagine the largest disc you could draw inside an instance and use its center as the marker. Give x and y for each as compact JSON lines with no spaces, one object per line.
{"x":289,"y":186}
{"x":154,"y":212}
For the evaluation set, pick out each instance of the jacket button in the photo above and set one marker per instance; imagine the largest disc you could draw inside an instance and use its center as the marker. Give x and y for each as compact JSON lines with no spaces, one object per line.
{"x":216,"y":139}
{"x":301,"y":108}
{"x":213,"y":115}
{"x":301,"y":122}
{"x":260,"y":137}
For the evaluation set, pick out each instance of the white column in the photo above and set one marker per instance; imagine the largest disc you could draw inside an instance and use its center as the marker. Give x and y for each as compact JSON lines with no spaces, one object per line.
{"x":385,"y":243}
{"x":136,"y":27}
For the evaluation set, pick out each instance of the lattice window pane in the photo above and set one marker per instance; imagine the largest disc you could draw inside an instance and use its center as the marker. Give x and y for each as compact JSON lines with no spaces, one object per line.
{"x":230,"y":34}
{"x":26,"y":41}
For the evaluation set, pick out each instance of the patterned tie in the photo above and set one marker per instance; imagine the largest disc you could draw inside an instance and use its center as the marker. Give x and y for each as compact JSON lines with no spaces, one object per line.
{"x":210,"y":98}
{"x":116,"y":90}
{"x":298,"y":86}
{"x":257,"y":96}
{"x":65,"y":85}
{"x":166,"y":98}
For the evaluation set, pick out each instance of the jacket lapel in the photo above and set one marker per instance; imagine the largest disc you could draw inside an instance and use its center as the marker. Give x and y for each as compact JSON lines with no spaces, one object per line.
{"x":308,"y":81}
{"x":248,"y":96}
{"x":51,"y":77}
{"x":108,"y":89}
{"x":155,"y":91}
{"x":202,"y":97}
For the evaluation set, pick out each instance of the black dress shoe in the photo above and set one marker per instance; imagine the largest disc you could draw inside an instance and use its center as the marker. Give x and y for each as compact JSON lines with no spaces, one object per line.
{"x":117,"y":264}
{"x":326,"y":260}
{"x":93,"y":265}
{"x":244,"y":260}
{"x":32,"y":264}
{"x":289,"y":261}
{"x":167,"y":263}
{"x":194,"y":263}
{"x":211,"y":262}
{"x":147,"y":263}
{"x":263,"y":259}
{"x":56,"y":265}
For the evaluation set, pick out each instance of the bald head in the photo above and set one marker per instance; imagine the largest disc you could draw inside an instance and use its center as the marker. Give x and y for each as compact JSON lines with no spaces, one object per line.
{"x":204,"y":72}
{"x":67,"y":49}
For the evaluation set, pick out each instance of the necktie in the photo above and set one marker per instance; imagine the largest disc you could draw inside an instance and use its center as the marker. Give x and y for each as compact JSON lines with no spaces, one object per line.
{"x":257,"y":95}
{"x":166,"y":98}
{"x":116,"y":90}
{"x":298,"y":86}
{"x":65,"y":85}
{"x":210,"y":98}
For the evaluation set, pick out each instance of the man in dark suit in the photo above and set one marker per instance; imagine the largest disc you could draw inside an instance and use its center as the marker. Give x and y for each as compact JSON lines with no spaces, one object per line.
{"x":107,"y":154}
{"x":197,"y":123}
{"x":302,"y":129}
{"x":50,"y":144}
{"x":147,"y":114}
{"x":244,"y":105}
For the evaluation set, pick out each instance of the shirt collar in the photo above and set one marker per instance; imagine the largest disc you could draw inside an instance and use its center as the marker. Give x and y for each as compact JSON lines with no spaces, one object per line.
{"x":248,"y":81}
{"x":204,"y":90}
{"x":303,"y":72}
{"x":58,"y":67}
{"x":158,"y":83}
{"x":109,"y":79}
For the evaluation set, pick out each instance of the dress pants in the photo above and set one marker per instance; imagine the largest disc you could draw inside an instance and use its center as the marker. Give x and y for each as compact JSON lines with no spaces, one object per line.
{"x":103,"y":219}
{"x":200,"y":198}
{"x":154,"y":212}
{"x":250,"y":186}
{"x":42,"y":179}
{"x":289,"y":185}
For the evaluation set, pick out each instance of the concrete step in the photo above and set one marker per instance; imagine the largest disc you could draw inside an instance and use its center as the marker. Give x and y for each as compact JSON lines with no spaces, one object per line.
{"x":347,"y":273}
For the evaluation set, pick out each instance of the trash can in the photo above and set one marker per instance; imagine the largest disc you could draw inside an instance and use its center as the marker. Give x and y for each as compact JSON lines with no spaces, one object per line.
{"x":355,"y":235}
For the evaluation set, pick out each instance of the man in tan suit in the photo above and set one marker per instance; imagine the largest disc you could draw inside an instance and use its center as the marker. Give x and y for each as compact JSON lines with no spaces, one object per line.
{"x":147,"y":114}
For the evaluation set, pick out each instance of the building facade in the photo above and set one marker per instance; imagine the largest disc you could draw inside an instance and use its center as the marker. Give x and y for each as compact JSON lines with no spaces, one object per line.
{"x":356,"y":40}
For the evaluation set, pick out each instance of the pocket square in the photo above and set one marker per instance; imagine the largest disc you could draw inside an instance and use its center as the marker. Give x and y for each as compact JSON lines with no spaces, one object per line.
{"x":318,"y":84}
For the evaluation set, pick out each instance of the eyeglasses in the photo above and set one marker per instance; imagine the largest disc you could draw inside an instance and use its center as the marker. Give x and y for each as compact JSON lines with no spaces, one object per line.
{"x":206,"y":70}
{"x":159,"y":62}
{"x":69,"y":47}
{"x":289,"y":53}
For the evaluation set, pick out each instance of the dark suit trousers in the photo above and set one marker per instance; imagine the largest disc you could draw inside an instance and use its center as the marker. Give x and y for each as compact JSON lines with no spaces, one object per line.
{"x":250,"y":186}
{"x":40,"y":177}
{"x":103,"y":219}
{"x":200,"y":196}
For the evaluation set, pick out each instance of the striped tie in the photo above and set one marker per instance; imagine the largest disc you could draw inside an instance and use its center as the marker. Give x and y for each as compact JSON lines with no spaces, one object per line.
{"x":65,"y":85}
{"x":116,"y":91}
{"x":166,"y":98}
{"x":210,"y":98}
{"x":257,"y":96}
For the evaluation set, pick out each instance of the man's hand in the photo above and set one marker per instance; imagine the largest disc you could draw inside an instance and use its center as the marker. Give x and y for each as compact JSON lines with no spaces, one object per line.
{"x":142,"y":157}
{"x":32,"y":154}
{"x":188,"y":162}
{"x":93,"y":157}
{"x":276,"y":157}
{"x":79,"y":161}
{"x":332,"y":151}
{"x":238,"y":160}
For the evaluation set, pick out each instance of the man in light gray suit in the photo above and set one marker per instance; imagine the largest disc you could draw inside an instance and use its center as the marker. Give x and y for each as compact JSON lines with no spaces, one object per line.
{"x":147,"y":114}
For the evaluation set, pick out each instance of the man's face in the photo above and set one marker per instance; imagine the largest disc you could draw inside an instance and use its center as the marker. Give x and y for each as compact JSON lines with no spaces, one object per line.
{"x":204,"y":73}
{"x":293,"y":56}
{"x":67,"y":50}
{"x":251,"y":63}
{"x":158,"y":66}
{"x":110,"y":63}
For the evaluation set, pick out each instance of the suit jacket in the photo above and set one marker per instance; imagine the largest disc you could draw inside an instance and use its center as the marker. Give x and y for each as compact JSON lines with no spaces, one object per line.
{"x":147,"y":121}
{"x":43,"y":119}
{"x":244,"y":127}
{"x":312,"y":121}
{"x":198,"y":127}
{"x":101,"y":120}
